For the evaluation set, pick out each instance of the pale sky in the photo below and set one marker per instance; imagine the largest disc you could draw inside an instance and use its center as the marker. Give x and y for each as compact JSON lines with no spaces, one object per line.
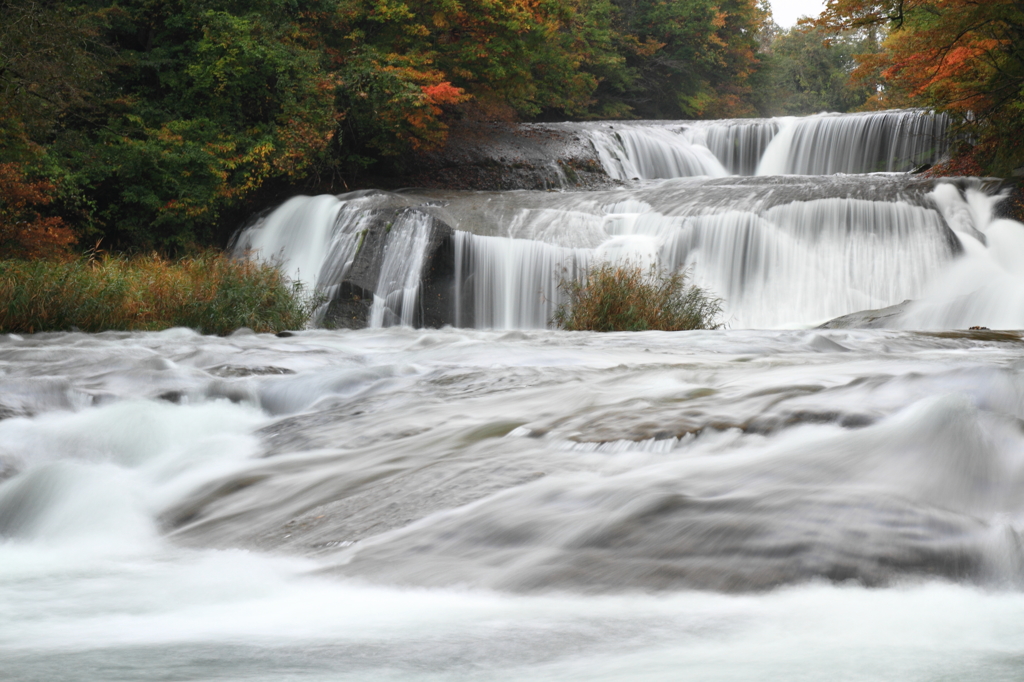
{"x":786,"y":12}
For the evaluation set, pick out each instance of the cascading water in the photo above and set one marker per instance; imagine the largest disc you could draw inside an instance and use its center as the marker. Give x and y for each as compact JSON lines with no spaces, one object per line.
{"x":646,"y":152}
{"x":518,"y":503}
{"x":512,"y":283}
{"x":856,"y":143}
{"x":738,"y":145}
{"x":395,"y":295}
{"x":780,"y":252}
{"x":886,"y":141}
{"x":792,"y":263}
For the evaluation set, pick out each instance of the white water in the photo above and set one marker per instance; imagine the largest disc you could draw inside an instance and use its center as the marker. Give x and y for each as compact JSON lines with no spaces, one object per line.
{"x":824,"y":144}
{"x":647,"y":152}
{"x":738,"y":144}
{"x":473,"y":504}
{"x":492,"y":506}
{"x":512,"y":283}
{"x":298,"y":234}
{"x":781,"y":252}
{"x":394,"y":297}
{"x":857,"y":143}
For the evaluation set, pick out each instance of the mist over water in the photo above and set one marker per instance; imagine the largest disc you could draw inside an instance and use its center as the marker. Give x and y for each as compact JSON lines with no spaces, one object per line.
{"x":458,"y":504}
{"x":496,"y":500}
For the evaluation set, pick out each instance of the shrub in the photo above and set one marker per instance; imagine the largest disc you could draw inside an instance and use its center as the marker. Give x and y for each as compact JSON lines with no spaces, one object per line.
{"x":24,"y":232}
{"x":625,"y":298}
{"x":210,"y":293}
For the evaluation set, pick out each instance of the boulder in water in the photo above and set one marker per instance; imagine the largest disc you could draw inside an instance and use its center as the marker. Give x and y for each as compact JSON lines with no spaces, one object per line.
{"x":381,"y":268}
{"x":881,"y":318}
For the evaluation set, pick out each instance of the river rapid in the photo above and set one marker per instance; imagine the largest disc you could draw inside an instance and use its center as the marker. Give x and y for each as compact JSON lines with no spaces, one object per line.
{"x":457,"y":504}
{"x":493,"y":499}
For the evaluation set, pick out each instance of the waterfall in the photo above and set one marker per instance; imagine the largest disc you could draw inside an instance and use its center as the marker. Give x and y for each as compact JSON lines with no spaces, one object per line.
{"x":782,"y":250}
{"x":986,"y":286}
{"x":395,"y":296}
{"x":738,"y":145}
{"x":775,"y":265}
{"x":825,"y":144}
{"x":297,"y":234}
{"x":399,"y":503}
{"x":512,"y":283}
{"x":890,"y":141}
{"x":315,"y":239}
{"x":648,"y":152}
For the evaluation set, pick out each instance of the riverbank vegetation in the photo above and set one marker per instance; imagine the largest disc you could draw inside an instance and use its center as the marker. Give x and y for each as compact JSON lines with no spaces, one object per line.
{"x":208,"y":292}
{"x":962,"y":57}
{"x":626,"y":297}
{"x":163,"y":125}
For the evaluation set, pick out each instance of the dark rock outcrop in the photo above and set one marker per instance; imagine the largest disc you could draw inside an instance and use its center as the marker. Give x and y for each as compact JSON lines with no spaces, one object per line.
{"x":352,"y":296}
{"x":504,"y":156}
{"x":349,"y":309}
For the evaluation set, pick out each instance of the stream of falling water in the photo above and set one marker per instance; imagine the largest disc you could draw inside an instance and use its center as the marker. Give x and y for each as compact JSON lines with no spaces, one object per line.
{"x":783,"y":219}
{"x":511,"y":502}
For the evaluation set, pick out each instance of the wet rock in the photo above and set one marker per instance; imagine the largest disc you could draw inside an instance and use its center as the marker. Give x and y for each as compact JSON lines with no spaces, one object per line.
{"x":823,"y":344}
{"x":349,"y":309}
{"x":241,"y":371}
{"x":882,"y":318}
{"x":982,"y":334}
{"x":353,"y":296}
{"x":504,"y":156}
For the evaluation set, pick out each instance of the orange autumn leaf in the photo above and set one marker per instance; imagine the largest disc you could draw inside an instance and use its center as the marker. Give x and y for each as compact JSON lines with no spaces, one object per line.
{"x":444,"y":93}
{"x":24,"y":232}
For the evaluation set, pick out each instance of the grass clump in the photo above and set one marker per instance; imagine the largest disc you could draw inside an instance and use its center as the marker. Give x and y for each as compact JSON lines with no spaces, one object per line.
{"x":624,"y":297}
{"x":210,"y":293}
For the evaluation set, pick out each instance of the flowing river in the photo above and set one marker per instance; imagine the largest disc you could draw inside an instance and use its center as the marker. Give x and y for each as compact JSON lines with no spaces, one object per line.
{"x":496,"y":500}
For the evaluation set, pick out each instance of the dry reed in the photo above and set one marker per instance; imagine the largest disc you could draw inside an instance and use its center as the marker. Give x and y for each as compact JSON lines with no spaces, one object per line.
{"x":210,"y":293}
{"x":626,"y":298}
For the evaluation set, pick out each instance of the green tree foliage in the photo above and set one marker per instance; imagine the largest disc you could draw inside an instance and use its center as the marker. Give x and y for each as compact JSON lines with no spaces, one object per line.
{"x":163,"y":123}
{"x":49,"y":64}
{"x":688,"y":58}
{"x":202,"y":106}
{"x":810,"y":70}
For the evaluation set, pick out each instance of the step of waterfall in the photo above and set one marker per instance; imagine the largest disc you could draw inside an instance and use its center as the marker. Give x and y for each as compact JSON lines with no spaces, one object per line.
{"x":791,"y":221}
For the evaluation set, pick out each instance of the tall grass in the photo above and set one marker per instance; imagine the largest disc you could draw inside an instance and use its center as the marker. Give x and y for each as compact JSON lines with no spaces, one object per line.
{"x":626,"y":298}
{"x":210,"y":293}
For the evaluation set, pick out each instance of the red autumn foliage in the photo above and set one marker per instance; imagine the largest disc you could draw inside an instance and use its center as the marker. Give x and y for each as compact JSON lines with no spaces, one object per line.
{"x":24,"y":232}
{"x":961,"y":57}
{"x":963,"y":163}
{"x":443,"y":94}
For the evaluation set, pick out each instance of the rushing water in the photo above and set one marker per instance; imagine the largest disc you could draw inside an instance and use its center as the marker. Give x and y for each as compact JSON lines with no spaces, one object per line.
{"x":495,"y":500}
{"x":781,"y":218}
{"x":782,"y":252}
{"x":458,"y":504}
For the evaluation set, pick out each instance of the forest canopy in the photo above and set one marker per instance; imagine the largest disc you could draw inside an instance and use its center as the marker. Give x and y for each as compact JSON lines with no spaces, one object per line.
{"x":163,"y":123}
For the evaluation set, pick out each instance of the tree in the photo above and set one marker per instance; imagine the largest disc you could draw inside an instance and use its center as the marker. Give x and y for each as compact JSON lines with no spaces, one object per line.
{"x":164,"y":123}
{"x":24,"y":231}
{"x":963,"y":57}
{"x":811,"y":71}
{"x":689,"y":58}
